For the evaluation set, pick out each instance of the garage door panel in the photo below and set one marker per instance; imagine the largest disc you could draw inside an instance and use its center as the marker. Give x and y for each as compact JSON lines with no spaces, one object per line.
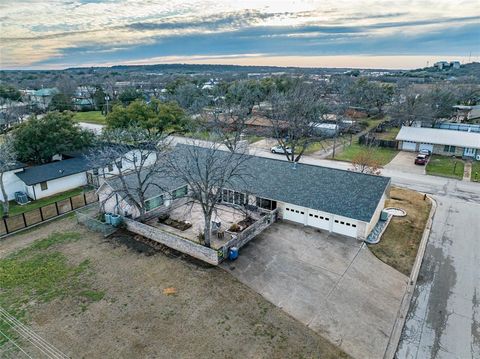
{"x":345,"y":227}
{"x":294,"y":214}
{"x":409,"y":146}
{"x":426,"y":146}
{"x":318,"y":220}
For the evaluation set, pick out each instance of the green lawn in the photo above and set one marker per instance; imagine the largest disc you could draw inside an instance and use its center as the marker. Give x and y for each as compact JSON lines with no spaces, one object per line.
{"x":94,"y":117}
{"x":18,"y":209}
{"x":445,"y":166}
{"x":475,"y":168}
{"x":383,"y":155}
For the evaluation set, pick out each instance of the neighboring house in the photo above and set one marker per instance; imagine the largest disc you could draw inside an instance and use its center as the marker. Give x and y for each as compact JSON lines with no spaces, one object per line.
{"x":83,"y":104}
{"x":41,"y":98}
{"x":467,"y":113}
{"x":11,"y":182}
{"x":344,"y":202}
{"x":440,"y":141}
{"x":55,"y":177}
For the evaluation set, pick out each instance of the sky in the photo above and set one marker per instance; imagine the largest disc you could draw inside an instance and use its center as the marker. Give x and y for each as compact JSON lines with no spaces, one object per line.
{"x":57,"y":34}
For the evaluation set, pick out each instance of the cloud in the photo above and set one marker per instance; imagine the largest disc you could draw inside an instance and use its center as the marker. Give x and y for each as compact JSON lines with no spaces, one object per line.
{"x":38,"y":33}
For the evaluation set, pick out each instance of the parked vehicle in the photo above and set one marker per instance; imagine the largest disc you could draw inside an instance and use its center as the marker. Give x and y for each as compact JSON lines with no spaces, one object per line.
{"x":280,"y":150}
{"x":421,"y":160}
{"x":424,"y":152}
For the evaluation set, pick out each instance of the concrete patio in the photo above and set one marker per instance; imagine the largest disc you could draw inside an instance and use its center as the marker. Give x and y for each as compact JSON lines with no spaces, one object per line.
{"x":192,"y":213}
{"x":331,"y":283}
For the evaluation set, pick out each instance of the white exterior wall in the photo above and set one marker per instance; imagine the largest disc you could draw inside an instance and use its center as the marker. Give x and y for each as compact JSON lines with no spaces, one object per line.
{"x":115,"y":204}
{"x":330,"y":225}
{"x":12,"y":184}
{"x":57,"y":186}
{"x":376,"y":215}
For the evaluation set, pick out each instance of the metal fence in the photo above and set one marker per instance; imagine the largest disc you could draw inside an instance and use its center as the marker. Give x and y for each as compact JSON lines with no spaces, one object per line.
{"x":35,"y":216}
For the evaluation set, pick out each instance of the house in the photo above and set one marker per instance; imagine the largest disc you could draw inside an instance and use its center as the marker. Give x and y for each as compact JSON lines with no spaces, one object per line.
{"x":41,"y":98}
{"x":54,"y":177}
{"x":11,"y":182}
{"x":344,"y":202}
{"x":467,"y":113}
{"x":440,"y":141}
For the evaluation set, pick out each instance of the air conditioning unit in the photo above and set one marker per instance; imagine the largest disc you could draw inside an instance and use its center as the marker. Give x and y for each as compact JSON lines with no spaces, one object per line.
{"x":21,"y":198}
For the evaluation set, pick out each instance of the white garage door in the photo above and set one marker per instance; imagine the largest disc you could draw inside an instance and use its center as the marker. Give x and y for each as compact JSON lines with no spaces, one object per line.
{"x":347,"y":228}
{"x":409,"y":146}
{"x":426,"y":146}
{"x":294,"y":213}
{"x":318,"y":220}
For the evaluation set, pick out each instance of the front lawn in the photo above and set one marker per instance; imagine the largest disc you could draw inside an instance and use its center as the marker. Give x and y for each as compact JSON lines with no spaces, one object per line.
{"x":475,"y":169}
{"x":445,"y":166}
{"x":383,"y":155}
{"x":399,"y":244}
{"x":16,"y":208}
{"x":94,"y":117}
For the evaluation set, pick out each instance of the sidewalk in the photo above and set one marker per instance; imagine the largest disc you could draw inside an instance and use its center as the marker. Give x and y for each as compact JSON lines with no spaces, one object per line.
{"x":467,"y":171}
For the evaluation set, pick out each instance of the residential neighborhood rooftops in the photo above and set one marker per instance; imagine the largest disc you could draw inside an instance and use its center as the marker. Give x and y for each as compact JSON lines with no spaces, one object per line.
{"x":54,"y":170}
{"x":439,"y":136}
{"x":12,"y":166}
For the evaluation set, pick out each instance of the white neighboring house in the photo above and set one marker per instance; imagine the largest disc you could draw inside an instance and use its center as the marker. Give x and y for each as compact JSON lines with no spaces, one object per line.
{"x":59,"y":176}
{"x":11,"y":182}
{"x":55,"y":177}
{"x":439,"y":141}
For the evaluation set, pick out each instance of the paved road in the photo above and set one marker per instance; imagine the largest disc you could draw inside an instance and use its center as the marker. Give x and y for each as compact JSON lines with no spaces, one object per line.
{"x":444,"y":318}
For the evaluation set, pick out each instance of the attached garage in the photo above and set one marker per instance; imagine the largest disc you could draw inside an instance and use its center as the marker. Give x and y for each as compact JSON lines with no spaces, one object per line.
{"x":294,"y":213}
{"x":318,"y":219}
{"x":345,"y":226}
{"x":426,"y":146}
{"x":409,"y":146}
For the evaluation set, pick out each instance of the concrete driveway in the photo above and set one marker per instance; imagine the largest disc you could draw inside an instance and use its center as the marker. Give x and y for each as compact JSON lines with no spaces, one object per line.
{"x":405,"y":162}
{"x":331,"y":283}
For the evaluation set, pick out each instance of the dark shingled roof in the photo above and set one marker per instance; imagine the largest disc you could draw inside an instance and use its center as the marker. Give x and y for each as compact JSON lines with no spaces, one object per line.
{"x":54,"y":170}
{"x":344,"y":193}
{"x":13,"y":166}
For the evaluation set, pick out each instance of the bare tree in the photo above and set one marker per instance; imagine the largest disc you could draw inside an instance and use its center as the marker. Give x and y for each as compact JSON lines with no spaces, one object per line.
{"x":294,"y":116}
{"x":136,"y":158}
{"x":232,"y":109}
{"x":365,"y":161}
{"x":206,"y":171}
{"x":8,"y":159}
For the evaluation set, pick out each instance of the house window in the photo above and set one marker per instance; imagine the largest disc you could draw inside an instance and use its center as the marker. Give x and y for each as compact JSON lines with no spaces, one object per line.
{"x":180,"y":192}
{"x":233,"y":197}
{"x":265,"y":203}
{"x":152,"y":203}
{"x":448,"y":148}
{"x":43,"y":186}
{"x":354,"y":225}
{"x":336,"y":221}
{"x":95,"y":171}
{"x":119,"y":165}
{"x":110,"y":168}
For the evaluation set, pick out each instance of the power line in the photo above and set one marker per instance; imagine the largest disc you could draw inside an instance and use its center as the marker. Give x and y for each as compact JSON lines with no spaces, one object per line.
{"x":29,"y":335}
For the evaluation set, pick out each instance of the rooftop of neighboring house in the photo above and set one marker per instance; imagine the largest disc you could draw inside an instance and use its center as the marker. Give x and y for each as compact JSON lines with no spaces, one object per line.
{"x":46,"y":92}
{"x":12,"y":166}
{"x":439,"y":136}
{"x":54,"y":170}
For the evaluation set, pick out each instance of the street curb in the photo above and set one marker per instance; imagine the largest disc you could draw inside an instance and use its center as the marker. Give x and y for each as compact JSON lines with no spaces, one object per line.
{"x":412,"y":281}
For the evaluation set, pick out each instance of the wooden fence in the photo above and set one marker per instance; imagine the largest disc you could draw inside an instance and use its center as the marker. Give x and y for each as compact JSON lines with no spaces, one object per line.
{"x":35,"y":216}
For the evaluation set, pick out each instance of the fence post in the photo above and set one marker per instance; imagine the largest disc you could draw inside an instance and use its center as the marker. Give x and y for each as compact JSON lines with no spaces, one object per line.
{"x":41,"y":213}
{"x":84,"y":199}
{"x":6,"y":227}
{"x":71,"y":204}
{"x":56,"y":207}
{"x":24,"y":220}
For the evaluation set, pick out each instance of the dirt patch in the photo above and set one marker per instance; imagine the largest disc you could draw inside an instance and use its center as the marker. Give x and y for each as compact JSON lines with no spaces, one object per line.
{"x":154,"y":305}
{"x":399,"y":244}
